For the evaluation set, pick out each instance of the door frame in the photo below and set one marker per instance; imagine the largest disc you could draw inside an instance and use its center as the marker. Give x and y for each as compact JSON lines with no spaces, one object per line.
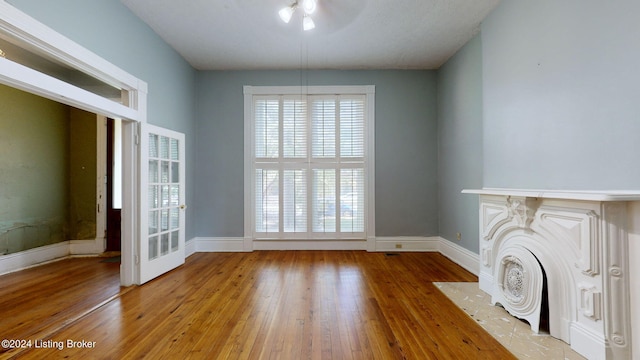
{"x":132,"y":109}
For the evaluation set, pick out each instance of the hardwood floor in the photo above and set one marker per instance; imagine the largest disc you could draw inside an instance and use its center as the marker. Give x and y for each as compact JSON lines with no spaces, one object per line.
{"x":259,"y":305}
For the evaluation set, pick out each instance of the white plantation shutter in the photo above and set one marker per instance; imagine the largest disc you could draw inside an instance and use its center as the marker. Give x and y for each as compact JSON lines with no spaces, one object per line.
{"x":267,"y":201}
{"x":295,"y":201}
{"x":352,"y":200}
{"x":309,"y":164}
{"x":324,"y":200}
{"x":352,"y":128}
{"x":294,"y":128}
{"x":266,"y":124}
{"x":323,"y":120}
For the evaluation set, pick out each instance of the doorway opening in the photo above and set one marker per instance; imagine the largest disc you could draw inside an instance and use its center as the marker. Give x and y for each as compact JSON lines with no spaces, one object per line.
{"x":113,"y":185}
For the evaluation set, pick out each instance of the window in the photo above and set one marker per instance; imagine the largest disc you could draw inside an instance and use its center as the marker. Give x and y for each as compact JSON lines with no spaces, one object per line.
{"x":309,"y":163}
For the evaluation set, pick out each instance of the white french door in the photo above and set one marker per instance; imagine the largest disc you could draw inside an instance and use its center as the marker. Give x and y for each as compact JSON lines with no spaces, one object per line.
{"x":162,"y":199}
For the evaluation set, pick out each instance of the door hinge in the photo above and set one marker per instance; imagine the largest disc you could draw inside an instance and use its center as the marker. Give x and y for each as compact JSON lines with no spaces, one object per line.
{"x":136,"y":259}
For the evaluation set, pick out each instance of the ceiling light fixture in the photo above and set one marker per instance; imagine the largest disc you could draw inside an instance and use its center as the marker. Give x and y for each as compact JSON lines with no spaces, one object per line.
{"x":308,"y":7}
{"x":307,"y":23}
{"x":286,"y":13}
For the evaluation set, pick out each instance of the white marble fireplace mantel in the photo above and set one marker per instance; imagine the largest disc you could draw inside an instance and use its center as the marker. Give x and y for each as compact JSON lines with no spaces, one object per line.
{"x":612,"y":195}
{"x":582,"y":248}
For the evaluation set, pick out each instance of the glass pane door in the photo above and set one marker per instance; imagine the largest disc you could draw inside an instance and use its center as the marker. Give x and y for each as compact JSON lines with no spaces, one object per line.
{"x":162,"y":199}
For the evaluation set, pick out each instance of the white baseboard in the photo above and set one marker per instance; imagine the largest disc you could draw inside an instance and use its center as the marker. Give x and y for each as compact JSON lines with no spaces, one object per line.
{"x":406,"y":243}
{"x":458,"y":254}
{"x":240,"y":244}
{"x":461,"y":256}
{"x":28,"y":258}
{"x":216,"y":244}
{"x":309,"y":245}
{"x":87,"y":247}
{"x":33,"y":257}
{"x":485,"y":282}
{"x":396,"y":244}
{"x":587,"y":343}
{"x":189,"y":247}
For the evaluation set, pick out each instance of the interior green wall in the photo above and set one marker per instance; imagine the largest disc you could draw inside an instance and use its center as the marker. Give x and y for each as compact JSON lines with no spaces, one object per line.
{"x":47,"y":172}
{"x":82,"y":175}
{"x":34,"y":138}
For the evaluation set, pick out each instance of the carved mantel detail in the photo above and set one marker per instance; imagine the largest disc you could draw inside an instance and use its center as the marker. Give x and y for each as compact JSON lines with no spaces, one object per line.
{"x":577,"y":228}
{"x":514,"y":279}
{"x":579,"y":243}
{"x":522,"y":210}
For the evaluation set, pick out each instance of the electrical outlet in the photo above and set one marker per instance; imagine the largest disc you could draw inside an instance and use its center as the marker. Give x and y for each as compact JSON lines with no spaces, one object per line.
{"x":398,"y":246}
{"x":459,"y":236}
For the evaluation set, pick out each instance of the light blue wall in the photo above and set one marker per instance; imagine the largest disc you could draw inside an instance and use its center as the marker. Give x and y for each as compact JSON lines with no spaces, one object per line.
{"x":562,"y":94}
{"x":109,"y":29}
{"x":560,"y":110}
{"x":405,"y":144}
{"x":460,"y":144}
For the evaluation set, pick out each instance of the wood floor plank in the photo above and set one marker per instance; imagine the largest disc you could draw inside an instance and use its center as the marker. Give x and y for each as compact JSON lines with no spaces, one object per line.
{"x":38,"y":301}
{"x":271,"y":305}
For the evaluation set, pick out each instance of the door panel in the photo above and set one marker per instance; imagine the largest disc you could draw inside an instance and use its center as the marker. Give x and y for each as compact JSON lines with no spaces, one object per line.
{"x":162,"y":217}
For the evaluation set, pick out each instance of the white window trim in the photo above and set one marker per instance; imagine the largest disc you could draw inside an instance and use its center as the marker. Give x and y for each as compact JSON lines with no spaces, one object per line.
{"x":249,"y":188}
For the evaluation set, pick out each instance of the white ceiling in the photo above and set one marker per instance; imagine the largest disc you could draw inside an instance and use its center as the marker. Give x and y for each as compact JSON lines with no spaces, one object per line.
{"x":349,"y":34}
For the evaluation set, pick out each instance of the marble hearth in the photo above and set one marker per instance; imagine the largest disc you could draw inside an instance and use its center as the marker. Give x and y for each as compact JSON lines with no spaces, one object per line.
{"x":568,"y":259}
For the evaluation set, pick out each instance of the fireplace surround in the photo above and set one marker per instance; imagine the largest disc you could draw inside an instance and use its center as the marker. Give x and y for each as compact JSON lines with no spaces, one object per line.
{"x":575,"y":248}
